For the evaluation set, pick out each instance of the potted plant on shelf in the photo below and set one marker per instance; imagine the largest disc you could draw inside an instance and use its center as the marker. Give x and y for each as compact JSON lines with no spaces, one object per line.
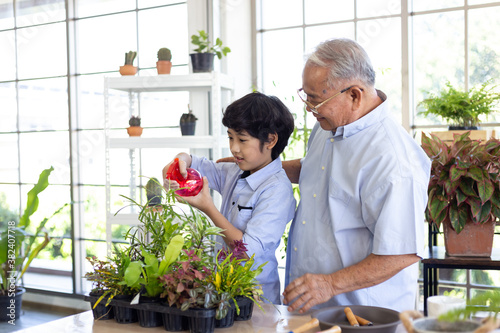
{"x":129,"y":68}
{"x":153,"y":192}
{"x":203,"y":58}
{"x":188,"y":122}
{"x":164,"y":64}
{"x":135,"y":128}
{"x":18,"y":248}
{"x":461,"y":109}
{"x":464,"y":192}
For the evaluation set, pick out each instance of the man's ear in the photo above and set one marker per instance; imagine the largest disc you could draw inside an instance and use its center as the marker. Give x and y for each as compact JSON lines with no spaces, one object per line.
{"x":355,"y":94}
{"x":272,"y":139}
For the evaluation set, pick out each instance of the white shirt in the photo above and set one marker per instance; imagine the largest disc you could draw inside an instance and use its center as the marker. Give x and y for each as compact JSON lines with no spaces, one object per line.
{"x":363,"y":190}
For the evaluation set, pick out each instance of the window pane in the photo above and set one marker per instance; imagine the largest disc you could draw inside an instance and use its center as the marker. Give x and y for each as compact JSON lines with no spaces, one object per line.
{"x":433,"y":69}
{"x":7,"y":14}
{"x":33,"y":12}
{"x":479,"y":2}
{"x":103,"y":41}
{"x":153,"y":23}
{"x":43,"y":105}
{"x":279,"y":13}
{"x":162,"y":110}
{"x":85,"y":8}
{"x":42,"y":150}
{"x":9,"y":152}
{"x":8,"y":111}
{"x":90,"y":101}
{"x":318,"y":34}
{"x":91,"y":157}
{"x":319,"y":11}
{"x":7,"y":56}
{"x":374,"y":8}
{"x":382,"y":41}
{"x":94,"y":216}
{"x":421,"y":5}
{"x":9,"y":203}
{"x":42,"y":51}
{"x":154,"y":3}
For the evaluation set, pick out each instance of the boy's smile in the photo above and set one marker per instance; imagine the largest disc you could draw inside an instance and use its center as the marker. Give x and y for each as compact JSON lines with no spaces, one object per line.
{"x":248,"y":152}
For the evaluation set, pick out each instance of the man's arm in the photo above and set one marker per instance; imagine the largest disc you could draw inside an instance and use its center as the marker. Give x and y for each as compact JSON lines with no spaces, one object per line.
{"x":313,"y":289}
{"x":292,"y":169}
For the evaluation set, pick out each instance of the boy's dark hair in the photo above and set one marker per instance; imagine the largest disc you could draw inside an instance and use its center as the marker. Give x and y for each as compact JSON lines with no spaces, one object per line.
{"x":261,"y":115}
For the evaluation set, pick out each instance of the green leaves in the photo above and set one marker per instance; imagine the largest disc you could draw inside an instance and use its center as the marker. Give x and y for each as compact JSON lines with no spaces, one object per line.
{"x":464,"y":184}
{"x":203,"y":45}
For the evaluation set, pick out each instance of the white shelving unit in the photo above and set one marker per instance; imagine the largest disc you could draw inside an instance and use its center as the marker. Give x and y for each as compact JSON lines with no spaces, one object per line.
{"x":199,"y":86}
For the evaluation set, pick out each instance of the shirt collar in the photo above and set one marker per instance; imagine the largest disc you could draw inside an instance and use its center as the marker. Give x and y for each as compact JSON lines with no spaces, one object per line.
{"x":257,"y":178}
{"x":366,"y":121}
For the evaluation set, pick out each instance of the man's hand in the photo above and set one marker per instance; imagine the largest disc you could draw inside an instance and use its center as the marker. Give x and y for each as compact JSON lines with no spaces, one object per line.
{"x":308,"y":291}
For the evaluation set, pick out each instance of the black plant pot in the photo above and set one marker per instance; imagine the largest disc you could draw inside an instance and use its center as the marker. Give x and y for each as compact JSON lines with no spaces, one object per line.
{"x":101,"y":311}
{"x":148,"y":318}
{"x":188,"y":128}
{"x":202,"y":62}
{"x":462,"y":128}
{"x":201,"y":320}
{"x":154,"y":200}
{"x":10,"y":305}
{"x":124,"y":315}
{"x":174,"y":322}
{"x":246,"y":308}
{"x":228,"y":320}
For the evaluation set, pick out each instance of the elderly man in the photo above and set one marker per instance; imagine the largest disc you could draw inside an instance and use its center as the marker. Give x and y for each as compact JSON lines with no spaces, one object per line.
{"x":358,"y":232}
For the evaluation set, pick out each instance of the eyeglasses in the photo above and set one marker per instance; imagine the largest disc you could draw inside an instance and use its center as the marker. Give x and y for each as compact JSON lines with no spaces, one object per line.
{"x":314,"y":108}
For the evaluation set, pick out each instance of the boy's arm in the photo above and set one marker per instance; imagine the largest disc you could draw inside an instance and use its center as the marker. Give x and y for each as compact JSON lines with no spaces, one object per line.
{"x":292,"y":169}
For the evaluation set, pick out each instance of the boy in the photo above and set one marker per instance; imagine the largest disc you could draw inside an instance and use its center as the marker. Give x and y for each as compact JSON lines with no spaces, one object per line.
{"x":257,"y":197}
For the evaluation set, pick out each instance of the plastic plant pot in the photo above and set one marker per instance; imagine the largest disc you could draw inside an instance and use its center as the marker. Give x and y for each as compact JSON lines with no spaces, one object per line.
{"x":189,"y":186}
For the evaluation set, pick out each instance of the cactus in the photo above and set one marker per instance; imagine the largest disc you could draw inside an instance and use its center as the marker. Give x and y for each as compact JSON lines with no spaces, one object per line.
{"x":164,"y":54}
{"x":153,"y":191}
{"x":135,"y":121}
{"x":129,"y":57}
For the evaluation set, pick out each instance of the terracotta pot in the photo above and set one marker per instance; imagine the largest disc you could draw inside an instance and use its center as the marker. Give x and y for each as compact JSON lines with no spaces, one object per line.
{"x":128,"y":70}
{"x":163,"y":66}
{"x":475,"y":240}
{"x":134,"y":130}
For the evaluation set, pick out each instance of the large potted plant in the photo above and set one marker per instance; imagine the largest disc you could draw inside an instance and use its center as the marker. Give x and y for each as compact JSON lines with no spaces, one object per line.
{"x":18,"y":249}
{"x":461,"y":109}
{"x":202,"y":59}
{"x":464,"y":192}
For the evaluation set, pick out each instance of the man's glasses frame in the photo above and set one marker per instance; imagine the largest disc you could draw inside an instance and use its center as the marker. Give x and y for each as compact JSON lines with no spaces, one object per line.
{"x":314,"y":108}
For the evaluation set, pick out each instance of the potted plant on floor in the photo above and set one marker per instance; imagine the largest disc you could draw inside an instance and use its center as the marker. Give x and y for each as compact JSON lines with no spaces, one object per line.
{"x":464,"y":192}
{"x":18,"y":248}
{"x":188,"y":122}
{"x":135,"y":128}
{"x":202,"y":59}
{"x":164,"y":64}
{"x":128,"y":68}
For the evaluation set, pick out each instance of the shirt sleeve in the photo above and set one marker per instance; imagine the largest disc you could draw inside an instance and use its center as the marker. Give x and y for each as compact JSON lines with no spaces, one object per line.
{"x":210,"y":169}
{"x":274,"y":208}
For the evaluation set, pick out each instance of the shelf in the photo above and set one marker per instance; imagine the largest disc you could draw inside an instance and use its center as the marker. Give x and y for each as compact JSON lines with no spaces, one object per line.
{"x":167,"y":142}
{"x":167,"y":82}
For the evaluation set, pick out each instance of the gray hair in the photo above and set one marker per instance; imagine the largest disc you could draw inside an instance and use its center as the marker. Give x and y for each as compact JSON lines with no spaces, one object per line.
{"x":346,"y":59}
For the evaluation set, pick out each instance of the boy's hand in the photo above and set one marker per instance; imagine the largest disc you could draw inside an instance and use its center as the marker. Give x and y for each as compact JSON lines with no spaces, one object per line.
{"x":172,"y":184}
{"x":203,"y":201}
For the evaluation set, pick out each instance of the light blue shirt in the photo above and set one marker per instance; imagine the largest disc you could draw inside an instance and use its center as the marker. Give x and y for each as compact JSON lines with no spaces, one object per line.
{"x":363,"y":190}
{"x":259,"y":205}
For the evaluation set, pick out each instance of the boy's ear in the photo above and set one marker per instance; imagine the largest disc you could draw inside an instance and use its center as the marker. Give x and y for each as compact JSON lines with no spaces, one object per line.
{"x":272,"y":140}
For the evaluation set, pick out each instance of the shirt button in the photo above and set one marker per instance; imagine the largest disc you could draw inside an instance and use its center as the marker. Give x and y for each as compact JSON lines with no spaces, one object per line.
{"x":322,"y":168}
{"x":314,"y":195}
{"x":295,"y":249}
{"x":332,"y":139}
{"x":303,"y":222}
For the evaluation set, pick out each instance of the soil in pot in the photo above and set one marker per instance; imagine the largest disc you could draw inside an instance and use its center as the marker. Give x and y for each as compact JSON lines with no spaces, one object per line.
{"x":246,"y":308}
{"x":148,"y":318}
{"x":124,"y":315}
{"x":101,"y":311}
{"x":10,"y":305}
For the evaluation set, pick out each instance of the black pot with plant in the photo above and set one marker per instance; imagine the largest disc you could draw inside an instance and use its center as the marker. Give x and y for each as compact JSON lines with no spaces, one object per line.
{"x":188,"y":123}
{"x":202,"y":59}
{"x":153,"y":192}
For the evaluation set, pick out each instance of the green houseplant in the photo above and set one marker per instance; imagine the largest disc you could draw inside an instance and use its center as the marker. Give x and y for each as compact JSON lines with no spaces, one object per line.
{"x":18,"y":247}
{"x":135,"y":128}
{"x":202,"y":59}
{"x":461,"y":108}
{"x":464,"y":189}
{"x":153,"y":192}
{"x":164,"y":64}
{"x":128,"y":68}
{"x":188,"y":122}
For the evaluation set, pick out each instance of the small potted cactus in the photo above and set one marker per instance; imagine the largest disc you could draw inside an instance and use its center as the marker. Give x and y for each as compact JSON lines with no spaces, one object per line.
{"x":188,"y":122}
{"x":164,"y":64}
{"x":129,"y":68}
{"x":153,"y":192}
{"x":135,"y":128}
